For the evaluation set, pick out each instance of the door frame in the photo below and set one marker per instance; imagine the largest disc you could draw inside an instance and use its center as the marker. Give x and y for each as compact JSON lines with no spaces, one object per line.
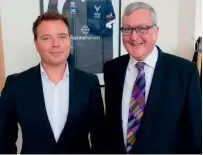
{"x":2,"y":69}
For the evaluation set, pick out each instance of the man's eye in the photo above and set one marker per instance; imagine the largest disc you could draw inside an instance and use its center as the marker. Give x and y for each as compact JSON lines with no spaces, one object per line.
{"x":63,"y":36}
{"x":142,"y":28}
{"x":46,"y":38}
{"x":126,"y":29}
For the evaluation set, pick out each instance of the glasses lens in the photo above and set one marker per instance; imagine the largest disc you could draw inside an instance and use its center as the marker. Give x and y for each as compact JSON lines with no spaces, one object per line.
{"x":142,"y":29}
{"x":126,"y":31}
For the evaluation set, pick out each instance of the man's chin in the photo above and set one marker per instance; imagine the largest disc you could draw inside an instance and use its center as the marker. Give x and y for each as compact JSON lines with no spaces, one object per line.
{"x":57,"y":63}
{"x":138,"y":55}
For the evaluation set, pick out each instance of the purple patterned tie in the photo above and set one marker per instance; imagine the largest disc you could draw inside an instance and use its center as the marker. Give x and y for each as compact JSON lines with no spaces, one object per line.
{"x":137,"y":104}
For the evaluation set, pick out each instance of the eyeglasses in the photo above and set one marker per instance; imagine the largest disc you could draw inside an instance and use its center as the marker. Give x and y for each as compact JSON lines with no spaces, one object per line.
{"x":142,"y":30}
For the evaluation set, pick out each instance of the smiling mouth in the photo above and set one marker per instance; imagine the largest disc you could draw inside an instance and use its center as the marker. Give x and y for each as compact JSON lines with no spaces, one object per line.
{"x":137,"y":44}
{"x":56,"y":53}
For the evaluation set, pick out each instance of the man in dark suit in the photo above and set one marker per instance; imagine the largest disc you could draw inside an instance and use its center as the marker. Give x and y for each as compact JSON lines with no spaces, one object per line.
{"x":153,"y":100}
{"x":56,"y":105}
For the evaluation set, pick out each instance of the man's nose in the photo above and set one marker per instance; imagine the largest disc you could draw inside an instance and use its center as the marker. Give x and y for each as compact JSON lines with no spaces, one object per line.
{"x":134,"y":35}
{"x":55,"y":43}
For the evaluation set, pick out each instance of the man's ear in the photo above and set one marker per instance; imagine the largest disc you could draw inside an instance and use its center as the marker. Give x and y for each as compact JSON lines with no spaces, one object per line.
{"x":156,"y":31}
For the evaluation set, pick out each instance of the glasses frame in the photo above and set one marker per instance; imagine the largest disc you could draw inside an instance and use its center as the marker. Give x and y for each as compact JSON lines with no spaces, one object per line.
{"x":136,"y":29}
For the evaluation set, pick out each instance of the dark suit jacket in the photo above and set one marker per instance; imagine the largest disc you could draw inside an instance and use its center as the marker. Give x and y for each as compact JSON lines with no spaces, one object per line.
{"x":22,"y":101}
{"x":172,"y":121}
{"x":194,"y":59}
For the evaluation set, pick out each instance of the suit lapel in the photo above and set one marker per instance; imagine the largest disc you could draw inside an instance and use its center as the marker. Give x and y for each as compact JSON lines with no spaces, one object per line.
{"x":41,"y":108}
{"x":156,"y":85}
{"x":154,"y":103}
{"x":72,"y":109}
{"x":121,"y":72}
{"x":39,"y":105}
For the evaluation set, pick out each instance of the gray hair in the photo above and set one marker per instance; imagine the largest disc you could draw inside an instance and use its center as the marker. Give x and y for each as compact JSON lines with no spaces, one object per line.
{"x":132,"y":7}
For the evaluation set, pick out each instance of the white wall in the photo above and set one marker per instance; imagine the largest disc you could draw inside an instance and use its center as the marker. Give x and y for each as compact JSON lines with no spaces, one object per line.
{"x":1,"y":5}
{"x":198,"y":19}
{"x":18,"y":47}
{"x":186,"y":28}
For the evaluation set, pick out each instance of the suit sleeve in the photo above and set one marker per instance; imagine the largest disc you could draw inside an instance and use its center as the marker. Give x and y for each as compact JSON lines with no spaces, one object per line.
{"x":108,"y":101}
{"x":106,"y":81}
{"x":194,"y":112}
{"x":110,"y":11}
{"x":97,"y":123}
{"x":108,"y":89}
{"x":8,"y":120}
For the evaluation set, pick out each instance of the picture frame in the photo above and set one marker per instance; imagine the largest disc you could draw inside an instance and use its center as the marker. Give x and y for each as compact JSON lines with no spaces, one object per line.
{"x":94,"y":31}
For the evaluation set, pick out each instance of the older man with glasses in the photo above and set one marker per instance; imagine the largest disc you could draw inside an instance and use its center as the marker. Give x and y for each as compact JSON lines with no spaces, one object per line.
{"x":153,"y":100}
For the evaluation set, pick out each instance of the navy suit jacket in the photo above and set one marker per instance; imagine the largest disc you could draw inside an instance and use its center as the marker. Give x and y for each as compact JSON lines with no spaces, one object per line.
{"x":172,"y":121}
{"x":22,"y":102}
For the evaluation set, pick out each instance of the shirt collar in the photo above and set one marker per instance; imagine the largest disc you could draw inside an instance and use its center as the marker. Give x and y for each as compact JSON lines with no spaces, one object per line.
{"x":149,"y":61}
{"x":43,"y":73}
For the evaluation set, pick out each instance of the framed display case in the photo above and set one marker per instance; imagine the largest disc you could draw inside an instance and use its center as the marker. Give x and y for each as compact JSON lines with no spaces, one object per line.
{"x":94,"y":31}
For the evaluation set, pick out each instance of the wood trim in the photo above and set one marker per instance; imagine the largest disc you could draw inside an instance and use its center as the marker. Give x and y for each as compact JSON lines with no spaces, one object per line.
{"x":199,"y":61}
{"x":2,"y":71}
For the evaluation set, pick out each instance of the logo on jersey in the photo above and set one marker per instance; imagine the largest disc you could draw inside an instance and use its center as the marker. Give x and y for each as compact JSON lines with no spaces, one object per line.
{"x":97,"y":14}
{"x":72,"y":7}
{"x":85,"y":29}
{"x":72,"y":4}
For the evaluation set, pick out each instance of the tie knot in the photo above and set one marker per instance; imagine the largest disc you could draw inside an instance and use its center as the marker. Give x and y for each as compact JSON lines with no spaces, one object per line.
{"x":140,"y":66}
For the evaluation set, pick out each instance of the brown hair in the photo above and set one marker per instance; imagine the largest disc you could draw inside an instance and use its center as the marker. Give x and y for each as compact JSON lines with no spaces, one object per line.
{"x":48,"y":16}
